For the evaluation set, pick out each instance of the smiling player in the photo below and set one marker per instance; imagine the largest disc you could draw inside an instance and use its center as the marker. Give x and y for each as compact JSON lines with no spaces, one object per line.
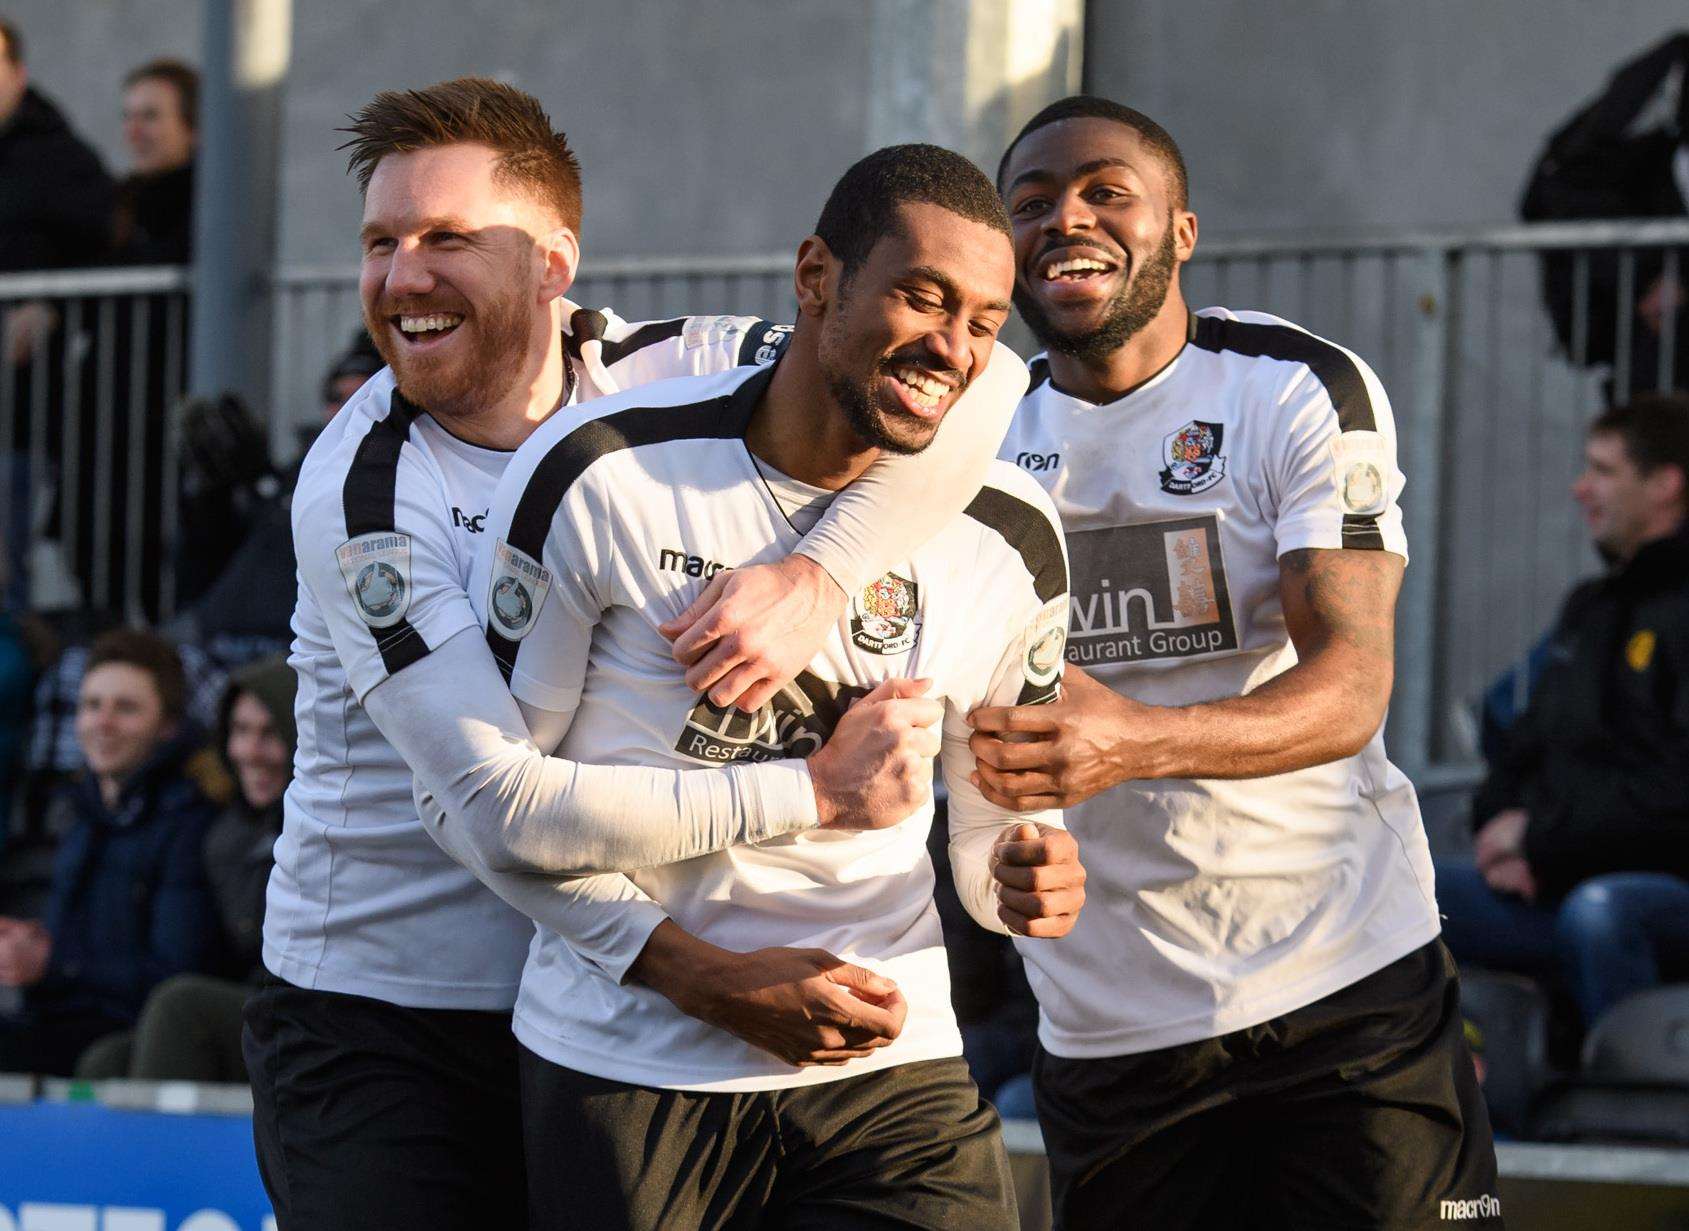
{"x":1254,"y":1023}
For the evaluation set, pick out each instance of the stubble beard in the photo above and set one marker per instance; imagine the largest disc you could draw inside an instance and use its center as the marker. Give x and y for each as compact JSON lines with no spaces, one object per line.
{"x":1131,"y":310}
{"x":461,"y":388}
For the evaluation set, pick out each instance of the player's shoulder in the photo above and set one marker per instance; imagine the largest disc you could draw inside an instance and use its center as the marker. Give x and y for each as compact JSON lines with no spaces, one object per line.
{"x":1279,"y":353}
{"x":358,"y":456}
{"x":678,"y":345}
{"x":1018,"y":529}
{"x":580,"y":440}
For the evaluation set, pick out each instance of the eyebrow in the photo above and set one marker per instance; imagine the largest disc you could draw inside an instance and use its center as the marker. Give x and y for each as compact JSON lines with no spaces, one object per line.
{"x":1084,"y":168}
{"x":947,"y":284}
{"x":378,"y":227}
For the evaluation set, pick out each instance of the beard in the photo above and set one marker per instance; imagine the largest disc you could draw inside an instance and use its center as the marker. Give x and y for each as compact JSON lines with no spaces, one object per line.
{"x":460,"y":385}
{"x":1133,"y":307}
{"x":875,"y":415}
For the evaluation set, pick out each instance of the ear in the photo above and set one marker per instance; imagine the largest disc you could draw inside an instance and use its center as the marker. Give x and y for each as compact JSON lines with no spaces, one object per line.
{"x":816,"y":277}
{"x":560,"y":252}
{"x":1184,"y":234}
{"x":1669,"y":485}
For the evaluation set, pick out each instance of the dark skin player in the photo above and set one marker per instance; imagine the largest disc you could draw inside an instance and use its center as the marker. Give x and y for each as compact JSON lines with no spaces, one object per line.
{"x":1091,"y":190}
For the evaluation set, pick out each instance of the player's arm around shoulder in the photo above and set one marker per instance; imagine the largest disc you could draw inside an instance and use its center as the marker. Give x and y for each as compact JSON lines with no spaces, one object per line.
{"x":753,"y":629}
{"x":1015,"y":873}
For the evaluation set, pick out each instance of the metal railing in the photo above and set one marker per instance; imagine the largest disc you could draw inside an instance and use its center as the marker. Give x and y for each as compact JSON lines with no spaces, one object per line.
{"x":90,"y":426}
{"x":1490,"y":408}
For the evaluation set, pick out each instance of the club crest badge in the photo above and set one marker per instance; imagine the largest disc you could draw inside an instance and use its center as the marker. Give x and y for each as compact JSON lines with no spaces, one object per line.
{"x":516,"y":593}
{"x":377,"y":571}
{"x":885,"y":618}
{"x":1193,"y":457}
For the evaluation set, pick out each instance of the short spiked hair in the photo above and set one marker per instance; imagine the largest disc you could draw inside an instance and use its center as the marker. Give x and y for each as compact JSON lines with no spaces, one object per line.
{"x":1089,"y":106}
{"x":862,"y":208}
{"x":471,"y":110}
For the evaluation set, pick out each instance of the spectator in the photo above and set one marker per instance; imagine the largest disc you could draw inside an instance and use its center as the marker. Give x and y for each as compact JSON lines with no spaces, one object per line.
{"x":161,"y":129}
{"x":1609,"y":162}
{"x":55,"y":212}
{"x":350,"y":370}
{"x":244,"y":611}
{"x":129,"y":905}
{"x":153,"y":226}
{"x":1583,"y":823}
{"x":190,"y":1027}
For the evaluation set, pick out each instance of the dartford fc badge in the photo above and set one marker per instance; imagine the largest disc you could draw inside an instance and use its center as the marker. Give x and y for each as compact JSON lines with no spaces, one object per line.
{"x":1193,"y":457}
{"x":885,"y":618}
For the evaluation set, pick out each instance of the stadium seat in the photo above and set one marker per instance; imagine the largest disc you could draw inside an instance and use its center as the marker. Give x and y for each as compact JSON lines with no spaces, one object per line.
{"x":1511,"y":1012}
{"x":1634,"y":1085}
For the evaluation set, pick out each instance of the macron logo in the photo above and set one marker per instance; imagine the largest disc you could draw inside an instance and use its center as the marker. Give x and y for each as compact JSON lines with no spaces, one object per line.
{"x":1477,"y":1207}
{"x":676,"y":561}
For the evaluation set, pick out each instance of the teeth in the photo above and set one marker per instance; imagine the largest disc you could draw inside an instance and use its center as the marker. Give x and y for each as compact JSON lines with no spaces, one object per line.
{"x":1081,"y":264}
{"x":425,"y":324}
{"x":928,"y":391}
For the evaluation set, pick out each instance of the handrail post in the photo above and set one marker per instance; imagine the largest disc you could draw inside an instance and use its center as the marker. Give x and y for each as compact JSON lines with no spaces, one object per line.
{"x":1414,"y":720}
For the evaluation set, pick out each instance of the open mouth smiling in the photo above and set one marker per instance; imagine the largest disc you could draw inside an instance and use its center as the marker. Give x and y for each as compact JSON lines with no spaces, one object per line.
{"x":423,"y":328}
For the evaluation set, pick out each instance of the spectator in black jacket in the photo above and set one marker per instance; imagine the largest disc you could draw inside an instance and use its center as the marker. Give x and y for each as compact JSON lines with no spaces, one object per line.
{"x":161,"y":129}
{"x":1582,"y":842}
{"x":130,"y":905}
{"x":190,"y":1027}
{"x":55,"y":212}
{"x":1624,"y":155}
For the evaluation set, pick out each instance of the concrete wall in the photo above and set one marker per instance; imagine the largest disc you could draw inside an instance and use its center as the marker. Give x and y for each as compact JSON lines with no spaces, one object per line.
{"x":711,"y":128}
{"x":1319,"y":114}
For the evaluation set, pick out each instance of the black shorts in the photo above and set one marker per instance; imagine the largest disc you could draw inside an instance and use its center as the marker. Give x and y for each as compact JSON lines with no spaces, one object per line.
{"x":906,"y":1147}
{"x":1360,"y":1110}
{"x":373,"y":1117}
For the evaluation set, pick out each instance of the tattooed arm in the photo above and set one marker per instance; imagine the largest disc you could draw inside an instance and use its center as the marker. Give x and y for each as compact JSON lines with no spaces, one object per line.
{"x":1339,"y":606}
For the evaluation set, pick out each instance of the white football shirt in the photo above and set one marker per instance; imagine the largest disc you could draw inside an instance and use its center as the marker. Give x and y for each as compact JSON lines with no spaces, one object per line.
{"x":386,"y":514}
{"x":1214,"y":905}
{"x":601,"y":531}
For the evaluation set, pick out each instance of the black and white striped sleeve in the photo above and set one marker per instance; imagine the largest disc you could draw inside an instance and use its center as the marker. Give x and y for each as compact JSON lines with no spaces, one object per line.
{"x":372,"y":533}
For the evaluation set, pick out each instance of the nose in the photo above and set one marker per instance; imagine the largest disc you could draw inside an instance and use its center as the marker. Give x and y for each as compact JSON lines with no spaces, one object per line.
{"x":1070,"y":214}
{"x":1580,"y":489}
{"x":949,"y":344}
{"x":408,"y":272}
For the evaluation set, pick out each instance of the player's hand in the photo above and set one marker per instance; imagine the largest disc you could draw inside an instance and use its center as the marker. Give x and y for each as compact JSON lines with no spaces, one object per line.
{"x":754,"y":628}
{"x":1040,"y":881}
{"x":876,"y":767}
{"x":803,"y":1005}
{"x":1033,"y":757}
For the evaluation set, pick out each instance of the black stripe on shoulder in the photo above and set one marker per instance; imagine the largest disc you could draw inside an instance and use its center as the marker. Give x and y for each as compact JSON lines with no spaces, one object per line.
{"x":1029,"y":532}
{"x":1339,"y":373}
{"x":368,"y":497}
{"x":1039,"y":370}
{"x":639,"y":339}
{"x":721,"y":418}
{"x":763,"y":334}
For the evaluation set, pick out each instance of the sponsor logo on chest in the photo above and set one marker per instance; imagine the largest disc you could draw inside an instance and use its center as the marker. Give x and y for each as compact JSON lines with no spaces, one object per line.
{"x":797,"y":721}
{"x":1149,"y":591}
